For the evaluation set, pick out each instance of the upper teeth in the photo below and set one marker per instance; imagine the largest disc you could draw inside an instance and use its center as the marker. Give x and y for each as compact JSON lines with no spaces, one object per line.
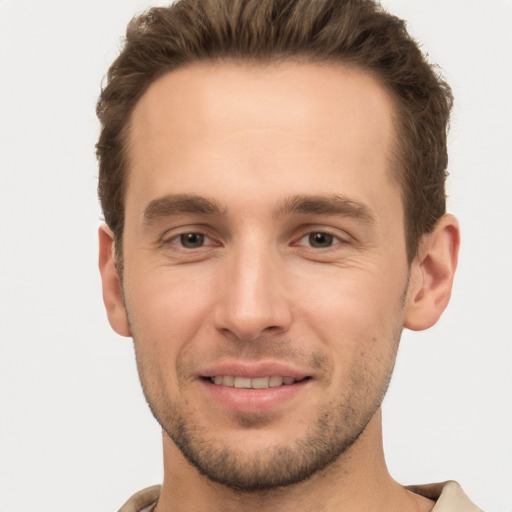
{"x":258,"y":383}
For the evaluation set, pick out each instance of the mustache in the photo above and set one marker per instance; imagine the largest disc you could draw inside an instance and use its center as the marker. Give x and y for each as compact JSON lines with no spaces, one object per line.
{"x":265,"y":347}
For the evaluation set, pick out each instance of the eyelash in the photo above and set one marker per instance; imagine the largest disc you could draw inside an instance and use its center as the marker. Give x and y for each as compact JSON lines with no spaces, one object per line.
{"x":178,"y":239}
{"x":332,"y":238}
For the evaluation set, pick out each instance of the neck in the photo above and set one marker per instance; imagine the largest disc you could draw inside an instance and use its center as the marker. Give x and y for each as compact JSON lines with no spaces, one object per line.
{"x":357,"y":481}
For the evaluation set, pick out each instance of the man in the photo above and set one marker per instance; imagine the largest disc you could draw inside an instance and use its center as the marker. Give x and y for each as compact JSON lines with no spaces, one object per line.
{"x":272,"y":178}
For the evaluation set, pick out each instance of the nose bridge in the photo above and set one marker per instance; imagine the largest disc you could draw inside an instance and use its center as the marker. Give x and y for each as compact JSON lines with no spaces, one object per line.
{"x":253,"y":299}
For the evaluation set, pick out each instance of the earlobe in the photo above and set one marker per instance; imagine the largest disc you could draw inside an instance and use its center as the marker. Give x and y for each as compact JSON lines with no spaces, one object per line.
{"x":433,"y":273}
{"x":112,"y":292}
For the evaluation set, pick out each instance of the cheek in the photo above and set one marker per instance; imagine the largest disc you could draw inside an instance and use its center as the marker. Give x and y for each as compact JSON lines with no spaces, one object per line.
{"x":166,"y":313}
{"x":352,"y":302}
{"x":357,"y":317}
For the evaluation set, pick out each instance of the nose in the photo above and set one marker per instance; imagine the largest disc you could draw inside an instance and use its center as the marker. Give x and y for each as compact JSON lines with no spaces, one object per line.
{"x":252,"y":296}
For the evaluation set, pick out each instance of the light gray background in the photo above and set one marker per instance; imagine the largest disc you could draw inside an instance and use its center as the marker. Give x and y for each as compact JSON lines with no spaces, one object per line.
{"x":75,"y":432}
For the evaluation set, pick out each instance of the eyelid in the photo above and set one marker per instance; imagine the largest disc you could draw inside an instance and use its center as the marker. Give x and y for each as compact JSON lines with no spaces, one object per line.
{"x":172,"y":234}
{"x":342,"y":237}
{"x":207,"y":240}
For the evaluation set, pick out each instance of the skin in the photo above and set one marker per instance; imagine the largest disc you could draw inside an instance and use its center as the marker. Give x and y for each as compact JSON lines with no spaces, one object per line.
{"x":264,"y":234}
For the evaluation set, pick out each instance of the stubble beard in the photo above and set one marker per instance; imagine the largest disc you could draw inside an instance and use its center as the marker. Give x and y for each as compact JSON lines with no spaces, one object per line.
{"x":276,"y":467}
{"x":334,"y":430}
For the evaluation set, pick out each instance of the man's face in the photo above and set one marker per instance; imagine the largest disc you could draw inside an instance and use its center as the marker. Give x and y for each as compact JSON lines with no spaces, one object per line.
{"x":265,"y":270}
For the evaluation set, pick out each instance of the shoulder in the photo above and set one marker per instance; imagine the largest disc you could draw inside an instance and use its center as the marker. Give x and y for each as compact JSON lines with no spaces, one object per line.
{"x":143,"y":501}
{"x":449,"y":497}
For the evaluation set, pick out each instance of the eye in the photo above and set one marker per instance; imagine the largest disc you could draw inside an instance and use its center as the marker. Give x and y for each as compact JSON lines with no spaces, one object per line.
{"x":320,"y":240}
{"x":191,"y":240}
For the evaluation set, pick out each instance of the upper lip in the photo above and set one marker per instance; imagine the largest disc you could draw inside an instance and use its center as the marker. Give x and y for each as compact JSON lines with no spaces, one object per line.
{"x":253,"y":370}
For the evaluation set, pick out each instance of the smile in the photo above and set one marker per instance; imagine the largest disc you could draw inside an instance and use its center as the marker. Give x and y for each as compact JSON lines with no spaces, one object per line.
{"x":273,"y":381}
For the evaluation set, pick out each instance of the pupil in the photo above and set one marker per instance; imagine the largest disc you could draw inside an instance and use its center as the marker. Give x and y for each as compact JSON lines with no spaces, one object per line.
{"x":320,"y":239}
{"x":192,"y":240}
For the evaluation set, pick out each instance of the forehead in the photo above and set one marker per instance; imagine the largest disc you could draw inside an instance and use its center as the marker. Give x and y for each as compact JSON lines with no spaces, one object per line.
{"x":287,"y":126}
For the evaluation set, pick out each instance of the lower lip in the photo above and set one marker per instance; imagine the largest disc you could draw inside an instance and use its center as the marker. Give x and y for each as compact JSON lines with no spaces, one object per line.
{"x":253,"y":401}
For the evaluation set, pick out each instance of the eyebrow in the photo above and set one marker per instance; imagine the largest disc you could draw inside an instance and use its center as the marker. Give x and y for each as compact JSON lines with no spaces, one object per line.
{"x":325,"y":205}
{"x":175,"y":204}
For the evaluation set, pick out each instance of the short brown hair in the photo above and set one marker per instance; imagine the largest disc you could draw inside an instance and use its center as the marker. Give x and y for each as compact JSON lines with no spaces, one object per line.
{"x":358,"y":33}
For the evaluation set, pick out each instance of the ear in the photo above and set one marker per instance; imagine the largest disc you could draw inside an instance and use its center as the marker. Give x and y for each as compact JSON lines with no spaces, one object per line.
{"x":432,"y":274}
{"x":112,"y":293}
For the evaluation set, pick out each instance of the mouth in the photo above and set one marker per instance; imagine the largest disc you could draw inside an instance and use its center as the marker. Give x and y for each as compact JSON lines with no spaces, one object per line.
{"x":271,"y":381}
{"x":250,"y":387}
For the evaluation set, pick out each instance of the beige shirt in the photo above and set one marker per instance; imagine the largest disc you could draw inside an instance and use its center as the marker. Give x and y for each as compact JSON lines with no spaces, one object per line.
{"x":449,"y":497}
